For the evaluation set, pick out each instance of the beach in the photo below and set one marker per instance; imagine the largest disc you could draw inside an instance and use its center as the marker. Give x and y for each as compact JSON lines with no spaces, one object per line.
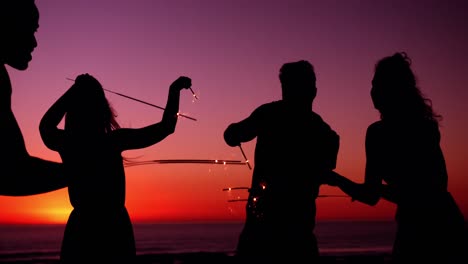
{"x":219,"y":258}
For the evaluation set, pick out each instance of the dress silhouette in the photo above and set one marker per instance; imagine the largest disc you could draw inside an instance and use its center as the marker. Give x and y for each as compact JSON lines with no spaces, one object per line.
{"x":293,"y":147}
{"x":22,"y":174}
{"x":99,"y":229}
{"x":405,"y":165}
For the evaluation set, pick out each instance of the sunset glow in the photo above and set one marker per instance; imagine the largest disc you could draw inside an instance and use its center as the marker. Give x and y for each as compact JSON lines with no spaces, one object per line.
{"x":232,"y":51}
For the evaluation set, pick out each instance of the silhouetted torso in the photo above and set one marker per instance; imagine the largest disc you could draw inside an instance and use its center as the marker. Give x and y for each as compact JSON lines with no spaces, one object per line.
{"x":99,"y":228}
{"x":408,"y":156}
{"x":411,"y":162}
{"x":293,"y":146}
{"x":95,"y":173}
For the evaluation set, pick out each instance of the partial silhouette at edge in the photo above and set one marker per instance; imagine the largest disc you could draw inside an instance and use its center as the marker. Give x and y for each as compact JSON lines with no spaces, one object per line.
{"x":405,"y":165}
{"x":22,"y":174}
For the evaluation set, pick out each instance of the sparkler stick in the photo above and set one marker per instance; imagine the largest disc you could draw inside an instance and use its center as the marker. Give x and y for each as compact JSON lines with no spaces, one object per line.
{"x":320,"y":196}
{"x":143,"y":102}
{"x":235,"y":188}
{"x":245,"y":157}
{"x":175,"y":161}
{"x":194,"y":95}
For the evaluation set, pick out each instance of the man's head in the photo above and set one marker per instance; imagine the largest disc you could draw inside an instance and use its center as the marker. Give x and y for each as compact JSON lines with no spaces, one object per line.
{"x":298,"y":81}
{"x":19,"y":21}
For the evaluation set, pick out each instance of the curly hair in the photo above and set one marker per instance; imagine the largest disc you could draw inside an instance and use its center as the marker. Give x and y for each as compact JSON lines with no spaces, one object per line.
{"x":395,"y":91}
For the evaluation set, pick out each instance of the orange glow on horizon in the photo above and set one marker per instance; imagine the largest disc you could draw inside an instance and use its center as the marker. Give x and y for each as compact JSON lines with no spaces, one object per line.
{"x":232,"y":74}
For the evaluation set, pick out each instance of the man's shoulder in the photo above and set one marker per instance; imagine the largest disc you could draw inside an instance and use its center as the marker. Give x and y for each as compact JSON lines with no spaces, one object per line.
{"x":318,"y":119}
{"x":270,"y":106}
{"x":375,"y":126}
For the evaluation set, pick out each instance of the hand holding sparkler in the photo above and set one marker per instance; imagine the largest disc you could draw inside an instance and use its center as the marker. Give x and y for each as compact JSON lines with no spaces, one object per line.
{"x":182,"y":83}
{"x":245,"y":157}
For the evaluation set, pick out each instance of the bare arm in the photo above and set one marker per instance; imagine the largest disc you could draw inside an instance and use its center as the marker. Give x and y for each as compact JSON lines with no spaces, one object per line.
{"x":372,"y":189}
{"x":51,"y":135}
{"x":128,"y":138}
{"x":242,"y":131}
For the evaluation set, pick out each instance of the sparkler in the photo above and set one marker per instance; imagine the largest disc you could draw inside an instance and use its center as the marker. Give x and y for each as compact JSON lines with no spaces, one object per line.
{"x":175,"y":161}
{"x":320,"y":196}
{"x":143,"y":102}
{"x":235,"y":188}
{"x":245,"y":157}
{"x":193,"y":93}
{"x":247,"y":188}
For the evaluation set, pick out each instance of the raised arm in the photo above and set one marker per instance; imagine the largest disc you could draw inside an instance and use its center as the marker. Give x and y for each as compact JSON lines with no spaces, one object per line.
{"x":51,"y":135}
{"x":128,"y":138}
{"x":244,"y":130}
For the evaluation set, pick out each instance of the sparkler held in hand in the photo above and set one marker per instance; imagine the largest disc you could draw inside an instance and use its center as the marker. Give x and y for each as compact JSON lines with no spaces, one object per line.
{"x":193,"y":93}
{"x":143,"y":102}
{"x":245,"y":157}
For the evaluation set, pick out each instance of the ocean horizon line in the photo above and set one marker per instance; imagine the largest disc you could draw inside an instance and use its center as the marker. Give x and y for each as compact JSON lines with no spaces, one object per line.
{"x":176,"y":240}
{"x":176,"y":222}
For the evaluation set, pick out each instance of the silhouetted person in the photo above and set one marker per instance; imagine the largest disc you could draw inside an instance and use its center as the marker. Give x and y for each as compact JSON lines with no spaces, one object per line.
{"x":403,"y":150}
{"x":21,"y":174}
{"x":293,"y":147}
{"x":99,"y":229}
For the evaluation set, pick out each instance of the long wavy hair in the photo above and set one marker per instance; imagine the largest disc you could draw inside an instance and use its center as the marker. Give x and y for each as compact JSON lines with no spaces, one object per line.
{"x":90,"y":109}
{"x":395,"y":93}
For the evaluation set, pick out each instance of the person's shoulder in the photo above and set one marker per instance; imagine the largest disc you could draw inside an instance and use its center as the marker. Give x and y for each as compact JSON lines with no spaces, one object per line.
{"x":431,"y":129}
{"x":375,"y":130}
{"x":376,"y":126}
{"x":322,"y":124}
{"x":270,"y":106}
{"x":318,"y":119}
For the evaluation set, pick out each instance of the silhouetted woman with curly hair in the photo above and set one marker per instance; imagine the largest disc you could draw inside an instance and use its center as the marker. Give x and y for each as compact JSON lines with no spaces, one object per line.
{"x":405,"y":165}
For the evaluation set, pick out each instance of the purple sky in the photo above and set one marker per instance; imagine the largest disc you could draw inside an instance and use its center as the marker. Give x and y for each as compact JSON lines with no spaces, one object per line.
{"x":233,"y":50}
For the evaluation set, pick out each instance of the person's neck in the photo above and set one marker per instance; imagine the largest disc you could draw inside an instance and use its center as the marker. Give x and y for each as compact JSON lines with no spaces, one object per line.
{"x":300,"y":107}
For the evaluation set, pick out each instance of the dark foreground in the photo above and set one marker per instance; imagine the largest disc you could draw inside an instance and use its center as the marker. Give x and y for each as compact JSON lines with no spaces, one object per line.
{"x":217,"y":258}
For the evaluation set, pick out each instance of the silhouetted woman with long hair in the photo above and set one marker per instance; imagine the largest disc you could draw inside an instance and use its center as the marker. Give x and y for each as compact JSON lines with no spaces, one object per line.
{"x":99,"y":229}
{"x":403,"y":150}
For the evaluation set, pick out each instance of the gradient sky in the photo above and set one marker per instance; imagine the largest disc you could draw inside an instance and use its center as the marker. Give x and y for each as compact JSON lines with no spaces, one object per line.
{"x":233,"y":50}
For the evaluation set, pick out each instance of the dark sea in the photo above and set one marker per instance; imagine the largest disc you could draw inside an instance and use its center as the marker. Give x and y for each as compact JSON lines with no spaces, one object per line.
{"x":23,"y":242}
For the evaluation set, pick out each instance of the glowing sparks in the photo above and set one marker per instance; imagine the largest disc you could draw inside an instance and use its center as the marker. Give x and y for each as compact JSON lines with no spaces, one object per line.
{"x":235,"y":188}
{"x":194,"y":95}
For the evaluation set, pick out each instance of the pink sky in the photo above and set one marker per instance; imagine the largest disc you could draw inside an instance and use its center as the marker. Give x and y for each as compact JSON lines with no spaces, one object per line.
{"x":233,"y":50}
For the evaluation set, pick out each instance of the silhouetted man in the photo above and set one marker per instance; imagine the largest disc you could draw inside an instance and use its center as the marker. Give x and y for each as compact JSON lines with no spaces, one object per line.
{"x":294,"y":145}
{"x":21,"y":173}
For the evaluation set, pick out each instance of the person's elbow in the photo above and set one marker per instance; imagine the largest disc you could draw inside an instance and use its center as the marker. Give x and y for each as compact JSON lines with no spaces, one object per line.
{"x":230,"y":139}
{"x":369,"y":197}
{"x":168,"y":126}
{"x":168,"y":130}
{"x":43,"y":131}
{"x":372,"y":200}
